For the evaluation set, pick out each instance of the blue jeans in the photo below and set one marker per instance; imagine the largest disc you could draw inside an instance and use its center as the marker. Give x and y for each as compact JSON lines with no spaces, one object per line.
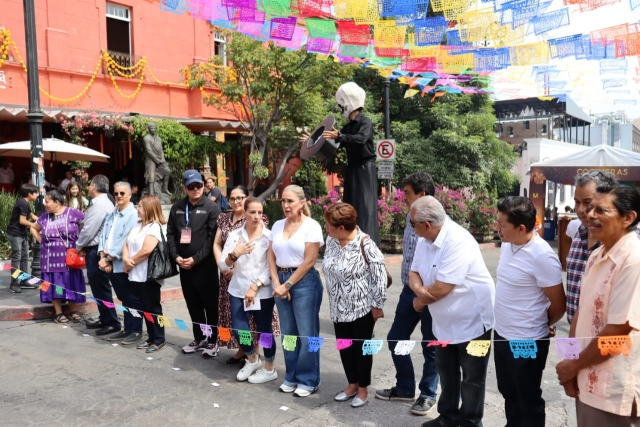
{"x":471,"y":387}
{"x":301,"y":317}
{"x":19,"y":254}
{"x":263,"y":318}
{"x":404,"y":323}
{"x":126,"y":294}
{"x":100,"y":288}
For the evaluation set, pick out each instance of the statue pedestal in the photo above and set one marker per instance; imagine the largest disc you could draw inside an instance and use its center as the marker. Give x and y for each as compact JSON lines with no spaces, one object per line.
{"x":166,"y":209}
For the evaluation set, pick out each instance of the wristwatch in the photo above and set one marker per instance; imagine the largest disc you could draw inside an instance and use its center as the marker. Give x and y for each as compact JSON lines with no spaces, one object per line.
{"x":288,"y":284}
{"x":258,"y":284}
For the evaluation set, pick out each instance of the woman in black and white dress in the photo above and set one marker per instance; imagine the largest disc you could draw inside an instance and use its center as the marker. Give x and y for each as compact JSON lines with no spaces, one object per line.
{"x":357,"y":292}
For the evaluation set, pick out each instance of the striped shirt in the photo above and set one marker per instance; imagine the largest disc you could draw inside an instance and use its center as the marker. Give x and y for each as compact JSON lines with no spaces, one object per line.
{"x":576,"y":263}
{"x":409,"y":242}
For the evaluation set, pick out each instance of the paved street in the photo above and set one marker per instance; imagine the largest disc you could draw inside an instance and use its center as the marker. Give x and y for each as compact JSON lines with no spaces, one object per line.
{"x":55,"y":376}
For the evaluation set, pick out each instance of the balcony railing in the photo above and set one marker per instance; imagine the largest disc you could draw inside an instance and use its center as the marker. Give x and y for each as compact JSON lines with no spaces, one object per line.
{"x":125,"y":60}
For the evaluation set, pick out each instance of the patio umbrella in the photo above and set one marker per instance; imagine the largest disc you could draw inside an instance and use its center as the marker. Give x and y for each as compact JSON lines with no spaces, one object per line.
{"x":55,"y":150}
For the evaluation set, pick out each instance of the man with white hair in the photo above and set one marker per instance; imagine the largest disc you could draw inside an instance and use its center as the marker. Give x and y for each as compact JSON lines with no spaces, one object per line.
{"x":449,"y":276}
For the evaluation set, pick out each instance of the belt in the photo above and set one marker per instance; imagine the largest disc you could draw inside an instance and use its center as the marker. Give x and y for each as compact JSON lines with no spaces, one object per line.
{"x":90,"y":247}
{"x":287,"y":269}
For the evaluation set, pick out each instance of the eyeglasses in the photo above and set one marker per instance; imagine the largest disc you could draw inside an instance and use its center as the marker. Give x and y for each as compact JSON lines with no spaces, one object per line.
{"x":413,"y":224}
{"x":596,"y":173}
{"x":598,"y":211}
{"x":119,"y":193}
{"x":236,"y":199}
{"x":194,"y":185}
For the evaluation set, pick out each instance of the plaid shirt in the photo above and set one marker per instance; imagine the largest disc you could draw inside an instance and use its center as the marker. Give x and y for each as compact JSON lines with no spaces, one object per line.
{"x":576,"y":264}
{"x":409,"y":242}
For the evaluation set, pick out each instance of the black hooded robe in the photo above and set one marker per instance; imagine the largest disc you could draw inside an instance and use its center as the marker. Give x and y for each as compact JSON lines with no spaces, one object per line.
{"x":361,"y":176}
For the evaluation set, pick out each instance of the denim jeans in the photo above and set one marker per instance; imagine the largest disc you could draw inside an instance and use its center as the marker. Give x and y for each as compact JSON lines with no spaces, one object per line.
{"x":19,"y":254}
{"x":125,"y":293}
{"x":519,"y":383}
{"x":404,"y":323}
{"x":263,"y":318}
{"x":100,"y":288}
{"x":450,"y":360}
{"x":301,"y":317}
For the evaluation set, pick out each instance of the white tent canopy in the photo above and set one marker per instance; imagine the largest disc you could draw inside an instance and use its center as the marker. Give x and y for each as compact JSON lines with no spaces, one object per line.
{"x":596,"y":156}
{"x":55,"y":150}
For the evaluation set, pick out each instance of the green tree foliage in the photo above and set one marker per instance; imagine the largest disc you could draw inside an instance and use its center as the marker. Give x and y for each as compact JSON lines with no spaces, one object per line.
{"x":451,"y":138}
{"x":461,"y":149}
{"x":273,"y":92}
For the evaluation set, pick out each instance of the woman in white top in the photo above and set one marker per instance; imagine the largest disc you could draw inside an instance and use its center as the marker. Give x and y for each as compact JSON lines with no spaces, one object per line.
{"x":298,"y":289}
{"x":142,"y":240}
{"x":357,"y":283}
{"x":250,"y":290}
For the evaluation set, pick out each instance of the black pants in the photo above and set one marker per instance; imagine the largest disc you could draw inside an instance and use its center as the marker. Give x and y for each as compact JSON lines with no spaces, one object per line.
{"x":200,"y":286}
{"x":149,"y":295}
{"x":100,"y":288}
{"x":519,"y":383}
{"x":450,"y":360}
{"x":356,"y":366}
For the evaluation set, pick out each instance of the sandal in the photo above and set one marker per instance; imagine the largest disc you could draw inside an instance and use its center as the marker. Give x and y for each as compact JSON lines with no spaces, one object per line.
{"x":75,"y":317}
{"x":60,"y":318}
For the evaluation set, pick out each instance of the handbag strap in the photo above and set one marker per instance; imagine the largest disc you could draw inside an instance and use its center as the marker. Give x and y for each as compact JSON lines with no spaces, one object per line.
{"x":366,"y":259}
{"x":66,"y":225}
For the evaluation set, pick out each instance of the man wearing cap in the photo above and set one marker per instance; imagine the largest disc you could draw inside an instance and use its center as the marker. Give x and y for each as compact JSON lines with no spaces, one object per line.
{"x":190,"y":232}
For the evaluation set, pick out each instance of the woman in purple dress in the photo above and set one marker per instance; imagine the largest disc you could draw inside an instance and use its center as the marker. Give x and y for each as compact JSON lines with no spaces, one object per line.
{"x":57,"y":230}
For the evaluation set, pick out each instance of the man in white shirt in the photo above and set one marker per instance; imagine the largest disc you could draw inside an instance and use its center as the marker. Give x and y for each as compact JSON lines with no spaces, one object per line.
{"x":449,"y":275}
{"x":530,"y":299}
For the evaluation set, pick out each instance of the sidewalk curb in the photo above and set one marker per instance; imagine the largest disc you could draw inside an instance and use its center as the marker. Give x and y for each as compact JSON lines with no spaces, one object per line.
{"x":45,"y":311}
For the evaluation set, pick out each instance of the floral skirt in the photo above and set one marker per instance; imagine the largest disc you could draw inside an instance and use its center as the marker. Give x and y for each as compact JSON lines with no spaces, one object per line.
{"x":71,"y":282}
{"x":224,"y":318}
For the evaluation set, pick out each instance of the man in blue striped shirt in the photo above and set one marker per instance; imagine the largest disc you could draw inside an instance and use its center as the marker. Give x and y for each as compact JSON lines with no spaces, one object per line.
{"x":406,"y":319}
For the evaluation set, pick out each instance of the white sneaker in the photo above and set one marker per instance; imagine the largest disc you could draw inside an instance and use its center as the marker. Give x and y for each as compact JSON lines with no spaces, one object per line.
{"x":195,"y":345}
{"x":248,"y":369}
{"x":263,"y":376}
{"x":301,"y":392}
{"x":287,"y":388}
{"x":211,"y":350}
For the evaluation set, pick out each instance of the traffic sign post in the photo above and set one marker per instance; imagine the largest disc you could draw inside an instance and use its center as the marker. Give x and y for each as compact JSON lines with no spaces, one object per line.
{"x":386,"y":149}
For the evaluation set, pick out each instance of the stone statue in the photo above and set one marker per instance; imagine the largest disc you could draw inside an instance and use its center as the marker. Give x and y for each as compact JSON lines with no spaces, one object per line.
{"x":156,"y":173}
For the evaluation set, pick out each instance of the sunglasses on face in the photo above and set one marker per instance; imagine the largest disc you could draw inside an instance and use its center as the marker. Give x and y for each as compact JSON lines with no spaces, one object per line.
{"x":119,"y":193}
{"x":194,"y":185}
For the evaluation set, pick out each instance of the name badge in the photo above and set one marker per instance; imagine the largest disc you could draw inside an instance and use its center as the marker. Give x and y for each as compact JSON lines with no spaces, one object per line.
{"x":185,"y":236}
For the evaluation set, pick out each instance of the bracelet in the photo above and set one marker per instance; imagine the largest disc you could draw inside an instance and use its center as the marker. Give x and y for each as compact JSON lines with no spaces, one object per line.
{"x":251,"y":287}
{"x":233,"y":257}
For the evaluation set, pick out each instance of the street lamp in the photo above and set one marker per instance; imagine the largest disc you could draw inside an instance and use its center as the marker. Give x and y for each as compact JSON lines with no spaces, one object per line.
{"x":34,"y":116}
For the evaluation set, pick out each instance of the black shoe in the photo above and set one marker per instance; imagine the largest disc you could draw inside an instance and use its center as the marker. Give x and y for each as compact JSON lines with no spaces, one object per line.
{"x":15,"y":289}
{"x":107,"y":330}
{"x":438,"y":422}
{"x":233,"y":361}
{"x":28,"y":286}
{"x":392,"y":394}
{"x":94,"y":325}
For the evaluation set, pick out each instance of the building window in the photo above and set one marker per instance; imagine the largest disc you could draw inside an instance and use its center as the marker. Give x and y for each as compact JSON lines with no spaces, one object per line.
{"x":544,"y":130}
{"x":119,"y":34}
{"x":510,"y":129}
{"x":526,"y":124}
{"x":219,"y":47}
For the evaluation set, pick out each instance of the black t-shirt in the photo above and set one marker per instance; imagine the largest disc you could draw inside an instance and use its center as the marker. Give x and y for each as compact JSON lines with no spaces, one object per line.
{"x":21,"y":208}
{"x":215,"y":193}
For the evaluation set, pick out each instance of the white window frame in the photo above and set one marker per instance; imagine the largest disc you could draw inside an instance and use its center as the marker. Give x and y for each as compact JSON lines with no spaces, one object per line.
{"x":222,"y":40}
{"x":121,"y":13}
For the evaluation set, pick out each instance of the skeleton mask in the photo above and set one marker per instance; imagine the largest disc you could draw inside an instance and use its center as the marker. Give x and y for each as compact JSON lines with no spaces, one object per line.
{"x":350,"y":97}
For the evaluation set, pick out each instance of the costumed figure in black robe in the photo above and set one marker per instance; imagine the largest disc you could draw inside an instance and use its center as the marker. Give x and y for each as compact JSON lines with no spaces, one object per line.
{"x":360,"y":177}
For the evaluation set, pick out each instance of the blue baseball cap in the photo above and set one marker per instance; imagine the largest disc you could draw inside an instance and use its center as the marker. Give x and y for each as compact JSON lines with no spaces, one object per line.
{"x":191,"y":176}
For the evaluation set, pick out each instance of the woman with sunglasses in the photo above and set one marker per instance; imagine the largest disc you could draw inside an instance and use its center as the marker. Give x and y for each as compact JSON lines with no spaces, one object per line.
{"x":228,"y":222}
{"x":298,"y":289}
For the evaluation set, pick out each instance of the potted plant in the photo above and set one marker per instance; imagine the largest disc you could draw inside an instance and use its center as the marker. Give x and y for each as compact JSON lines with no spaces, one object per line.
{"x":482,"y":217}
{"x":392,"y":216}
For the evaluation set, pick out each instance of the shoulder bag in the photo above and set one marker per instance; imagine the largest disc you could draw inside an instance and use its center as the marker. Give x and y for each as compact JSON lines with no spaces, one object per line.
{"x":160,"y":265}
{"x":73,"y":260}
{"x":389,"y":278}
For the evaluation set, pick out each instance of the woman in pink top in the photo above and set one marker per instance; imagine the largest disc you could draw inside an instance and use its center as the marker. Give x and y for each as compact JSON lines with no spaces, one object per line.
{"x":607,"y":388}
